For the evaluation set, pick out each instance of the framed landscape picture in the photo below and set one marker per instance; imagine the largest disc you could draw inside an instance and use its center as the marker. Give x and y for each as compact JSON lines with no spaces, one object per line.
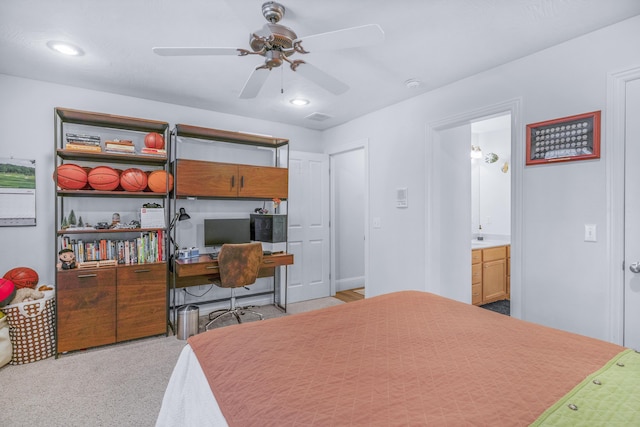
{"x":565,"y":139}
{"x":17,"y":192}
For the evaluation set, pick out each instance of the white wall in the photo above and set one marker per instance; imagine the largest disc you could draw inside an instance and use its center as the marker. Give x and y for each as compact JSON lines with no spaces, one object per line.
{"x":27,"y":118}
{"x":562,"y":280}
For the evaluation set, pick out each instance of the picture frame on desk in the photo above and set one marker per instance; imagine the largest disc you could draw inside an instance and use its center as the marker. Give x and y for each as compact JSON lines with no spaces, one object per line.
{"x":563,"y":140}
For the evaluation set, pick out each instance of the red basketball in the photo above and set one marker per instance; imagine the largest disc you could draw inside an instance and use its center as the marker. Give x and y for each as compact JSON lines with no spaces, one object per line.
{"x":157,"y":182}
{"x":104,"y":178}
{"x":22,"y":277}
{"x":7,"y":291}
{"x":154,"y":140}
{"x":133,"y":180}
{"x":70,"y":177}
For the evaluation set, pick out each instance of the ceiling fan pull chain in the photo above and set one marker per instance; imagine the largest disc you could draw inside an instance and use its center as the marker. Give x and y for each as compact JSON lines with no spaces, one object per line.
{"x":282,"y":80}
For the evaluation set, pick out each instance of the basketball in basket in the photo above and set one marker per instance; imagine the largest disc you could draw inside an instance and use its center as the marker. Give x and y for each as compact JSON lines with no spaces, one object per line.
{"x":22,"y":277}
{"x":133,"y":179}
{"x":70,"y":177}
{"x":154,"y":140}
{"x":104,"y":178}
{"x":158,"y":182}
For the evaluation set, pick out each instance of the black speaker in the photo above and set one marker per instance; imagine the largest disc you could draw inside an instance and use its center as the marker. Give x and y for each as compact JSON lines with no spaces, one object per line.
{"x":269,"y":228}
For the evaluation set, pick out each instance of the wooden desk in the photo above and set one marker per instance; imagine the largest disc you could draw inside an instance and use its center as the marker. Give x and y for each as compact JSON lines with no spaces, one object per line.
{"x":201,"y":270}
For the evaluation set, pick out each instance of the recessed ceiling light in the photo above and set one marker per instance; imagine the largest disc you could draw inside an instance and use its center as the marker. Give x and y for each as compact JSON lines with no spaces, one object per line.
{"x":64,"y":48}
{"x":299,"y":102}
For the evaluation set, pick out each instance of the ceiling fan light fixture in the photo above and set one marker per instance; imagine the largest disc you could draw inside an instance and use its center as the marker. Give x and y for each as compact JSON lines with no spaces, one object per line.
{"x":299,"y":102}
{"x":64,"y":48}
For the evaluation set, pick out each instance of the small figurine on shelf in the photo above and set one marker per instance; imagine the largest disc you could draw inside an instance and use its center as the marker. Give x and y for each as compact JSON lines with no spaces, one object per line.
{"x":80,"y":222}
{"x":67,"y":259}
{"x":65,"y":223}
{"x":115,"y":220}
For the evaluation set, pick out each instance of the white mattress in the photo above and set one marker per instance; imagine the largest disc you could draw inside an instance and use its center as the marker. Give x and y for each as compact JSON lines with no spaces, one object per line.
{"x":188,"y":400}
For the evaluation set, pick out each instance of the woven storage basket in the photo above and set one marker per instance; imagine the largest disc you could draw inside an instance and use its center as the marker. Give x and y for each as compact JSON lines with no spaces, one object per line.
{"x":31,"y":328}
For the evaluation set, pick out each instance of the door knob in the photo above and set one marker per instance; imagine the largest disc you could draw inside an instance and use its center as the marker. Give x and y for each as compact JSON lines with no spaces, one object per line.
{"x":635,"y":267}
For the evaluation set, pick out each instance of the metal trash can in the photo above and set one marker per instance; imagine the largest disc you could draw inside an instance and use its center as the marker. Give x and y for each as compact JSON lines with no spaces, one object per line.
{"x":188,"y":318}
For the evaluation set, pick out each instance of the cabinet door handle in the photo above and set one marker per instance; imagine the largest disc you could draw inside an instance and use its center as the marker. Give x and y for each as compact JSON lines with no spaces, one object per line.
{"x":268,"y":262}
{"x":211,"y":267}
{"x":142,"y":271}
{"x":242,"y":181}
{"x":233,"y":181}
{"x":84,"y":276}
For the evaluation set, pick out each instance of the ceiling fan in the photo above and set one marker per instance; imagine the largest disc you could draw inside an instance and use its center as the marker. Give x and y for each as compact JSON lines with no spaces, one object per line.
{"x":277,"y":43}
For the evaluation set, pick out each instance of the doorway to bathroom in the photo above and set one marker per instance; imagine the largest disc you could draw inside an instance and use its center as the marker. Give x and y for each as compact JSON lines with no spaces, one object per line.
{"x":449,"y":221}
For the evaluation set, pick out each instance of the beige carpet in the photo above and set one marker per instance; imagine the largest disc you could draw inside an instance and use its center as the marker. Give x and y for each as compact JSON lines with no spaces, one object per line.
{"x":116,"y":385}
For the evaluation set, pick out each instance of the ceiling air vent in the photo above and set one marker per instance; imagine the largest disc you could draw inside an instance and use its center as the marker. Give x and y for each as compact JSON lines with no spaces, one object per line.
{"x":318,"y":117}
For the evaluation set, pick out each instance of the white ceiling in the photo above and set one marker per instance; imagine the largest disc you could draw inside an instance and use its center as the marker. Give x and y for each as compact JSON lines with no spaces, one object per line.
{"x":435,"y":41}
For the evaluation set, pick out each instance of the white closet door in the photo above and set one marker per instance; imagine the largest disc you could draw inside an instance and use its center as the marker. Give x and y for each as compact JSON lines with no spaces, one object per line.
{"x":632,"y":217}
{"x":308,"y":233}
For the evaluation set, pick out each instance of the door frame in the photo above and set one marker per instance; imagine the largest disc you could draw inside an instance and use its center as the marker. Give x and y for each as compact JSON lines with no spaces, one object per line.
{"x":615,"y":181}
{"x":513,"y":107}
{"x":332,"y":151}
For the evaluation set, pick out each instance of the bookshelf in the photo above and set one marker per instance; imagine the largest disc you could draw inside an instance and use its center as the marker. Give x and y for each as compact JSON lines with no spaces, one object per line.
{"x":116,"y":289}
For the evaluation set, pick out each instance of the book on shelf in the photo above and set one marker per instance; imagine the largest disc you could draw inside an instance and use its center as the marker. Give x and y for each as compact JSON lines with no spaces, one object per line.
{"x":83,"y":139}
{"x":119,"y":150}
{"x":154,"y":151}
{"x":119,"y":146}
{"x":83,"y":147}
{"x":148,"y":247}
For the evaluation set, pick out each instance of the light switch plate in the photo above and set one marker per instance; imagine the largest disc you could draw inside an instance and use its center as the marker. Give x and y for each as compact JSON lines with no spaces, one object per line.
{"x":377,"y":222}
{"x":590,"y":233}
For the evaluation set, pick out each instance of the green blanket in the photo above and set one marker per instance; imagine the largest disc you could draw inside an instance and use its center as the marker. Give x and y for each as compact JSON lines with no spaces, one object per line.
{"x":609,"y":397}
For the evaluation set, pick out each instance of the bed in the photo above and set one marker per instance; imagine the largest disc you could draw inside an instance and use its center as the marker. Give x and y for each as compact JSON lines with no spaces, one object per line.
{"x":405,"y":358}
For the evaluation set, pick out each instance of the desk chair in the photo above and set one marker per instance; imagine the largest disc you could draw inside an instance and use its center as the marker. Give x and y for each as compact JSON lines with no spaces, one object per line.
{"x":238,"y":265}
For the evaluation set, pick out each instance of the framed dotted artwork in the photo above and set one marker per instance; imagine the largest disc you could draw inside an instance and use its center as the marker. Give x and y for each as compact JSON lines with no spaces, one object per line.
{"x":563,"y":140}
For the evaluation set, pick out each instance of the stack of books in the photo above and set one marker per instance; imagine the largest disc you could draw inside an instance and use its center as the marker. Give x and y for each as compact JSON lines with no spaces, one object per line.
{"x":77,"y":142}
{"x":154,"y":152}
{"x":119,"y":146}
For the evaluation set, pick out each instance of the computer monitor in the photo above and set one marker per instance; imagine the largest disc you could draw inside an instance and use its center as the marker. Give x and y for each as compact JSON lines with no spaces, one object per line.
{"x":226,"y":230}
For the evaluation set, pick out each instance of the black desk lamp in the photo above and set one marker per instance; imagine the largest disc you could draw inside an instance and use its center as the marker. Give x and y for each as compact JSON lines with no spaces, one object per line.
{"x":181,"y":215}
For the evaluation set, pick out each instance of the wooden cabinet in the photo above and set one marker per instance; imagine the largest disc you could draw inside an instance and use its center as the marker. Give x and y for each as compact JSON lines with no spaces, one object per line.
{"x":120,"y":293}
{"x":215,"y":179}
{"x":86,"y":307}
{"x":141,"y":307}
{"x":476,"y":276}
{"x":489,"y":278}
{"x":108,"y":305}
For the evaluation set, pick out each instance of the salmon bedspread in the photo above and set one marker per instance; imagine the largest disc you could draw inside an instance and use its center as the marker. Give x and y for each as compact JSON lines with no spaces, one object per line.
{"x":406,"y":358}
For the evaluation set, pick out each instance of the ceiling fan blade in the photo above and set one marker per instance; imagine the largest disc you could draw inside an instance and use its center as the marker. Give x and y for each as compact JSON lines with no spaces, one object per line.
{"x":254,"y":83}
{"x":194,"y":51}
{"x":343,"y":39}
{"x":321,"y":78}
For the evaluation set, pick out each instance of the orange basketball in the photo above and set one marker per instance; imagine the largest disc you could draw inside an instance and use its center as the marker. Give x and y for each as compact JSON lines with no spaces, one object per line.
{"x":104,"y":178}
{"x":154,"y":140}
{"x":157,"y":182}
{"x":133,"y":180}
{"x":70,"y":177}
{"x":22,"y":277}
